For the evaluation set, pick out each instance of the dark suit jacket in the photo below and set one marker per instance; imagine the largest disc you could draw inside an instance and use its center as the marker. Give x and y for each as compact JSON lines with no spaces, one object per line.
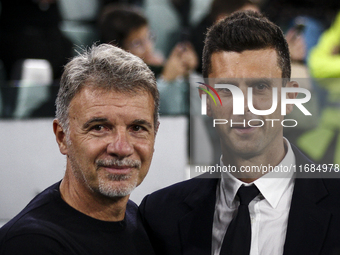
{"x":179,"y":218}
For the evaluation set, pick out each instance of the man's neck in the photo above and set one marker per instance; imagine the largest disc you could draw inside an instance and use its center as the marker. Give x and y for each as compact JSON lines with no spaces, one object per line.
{"x":250,"y":167}
{"x":97,"y":206}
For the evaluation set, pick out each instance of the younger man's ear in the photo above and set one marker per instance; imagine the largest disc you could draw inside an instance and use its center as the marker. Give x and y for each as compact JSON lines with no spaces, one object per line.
{"x":60,"y":136}
{"x":292,"y":95}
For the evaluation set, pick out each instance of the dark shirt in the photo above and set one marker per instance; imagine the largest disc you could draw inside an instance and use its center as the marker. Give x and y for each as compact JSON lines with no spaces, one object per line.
{"x":48,"y":225}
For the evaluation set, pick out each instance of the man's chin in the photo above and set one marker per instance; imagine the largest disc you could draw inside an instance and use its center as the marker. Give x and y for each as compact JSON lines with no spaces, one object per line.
{"x":117,"y":188}
{"x":245,"y":149}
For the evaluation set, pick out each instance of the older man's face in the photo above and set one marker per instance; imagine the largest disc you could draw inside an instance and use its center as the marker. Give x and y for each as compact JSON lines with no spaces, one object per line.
{"x":111,"y":140}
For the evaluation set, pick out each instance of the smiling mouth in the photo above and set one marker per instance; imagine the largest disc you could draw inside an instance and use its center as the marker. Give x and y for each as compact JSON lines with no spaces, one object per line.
{"x":118,"y":167}
{"x":117,"y":164}
{"x":118,"y":175}
{"x":127,"y":171}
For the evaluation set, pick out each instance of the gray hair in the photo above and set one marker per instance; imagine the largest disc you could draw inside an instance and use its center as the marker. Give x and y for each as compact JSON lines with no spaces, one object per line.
{"x":107,"y":67}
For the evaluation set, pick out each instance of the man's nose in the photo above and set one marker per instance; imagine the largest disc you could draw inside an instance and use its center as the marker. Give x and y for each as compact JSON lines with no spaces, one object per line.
{"x":120,"y":144}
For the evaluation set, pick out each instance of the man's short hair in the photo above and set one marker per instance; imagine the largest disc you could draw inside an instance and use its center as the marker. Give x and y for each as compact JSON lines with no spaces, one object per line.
{"x":118,"y":21}
{"x":246,"y":30}
{"x":104,"y":67}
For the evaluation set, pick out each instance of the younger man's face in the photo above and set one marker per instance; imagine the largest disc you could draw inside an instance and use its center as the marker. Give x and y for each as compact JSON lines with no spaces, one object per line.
{"x":245,"y":70}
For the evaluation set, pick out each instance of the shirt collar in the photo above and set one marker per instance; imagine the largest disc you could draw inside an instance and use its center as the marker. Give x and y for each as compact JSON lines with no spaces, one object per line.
{"x":229,"y":185}
{"x":272,"y":185}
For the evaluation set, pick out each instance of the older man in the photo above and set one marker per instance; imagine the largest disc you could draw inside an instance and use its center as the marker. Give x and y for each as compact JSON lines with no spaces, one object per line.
{"x":106,"y":122}
{"x":247,"y":212}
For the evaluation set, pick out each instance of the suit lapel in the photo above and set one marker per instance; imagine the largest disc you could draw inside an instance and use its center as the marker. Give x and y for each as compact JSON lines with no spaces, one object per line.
{"x":307,"y":223}
{"x":196,"y":226}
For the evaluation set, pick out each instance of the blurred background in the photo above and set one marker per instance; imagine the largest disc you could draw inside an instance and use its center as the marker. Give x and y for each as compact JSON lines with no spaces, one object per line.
{"x":38,"y":37}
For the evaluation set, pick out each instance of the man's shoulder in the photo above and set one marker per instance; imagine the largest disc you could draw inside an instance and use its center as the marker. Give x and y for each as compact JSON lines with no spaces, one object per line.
{"x":131,"y":214}
{"x":164,"y":211}
{"x":305,"y":168}
{"x":189,"y":189}
{"x":48,"y":225}
{"x":299,"y":156}
{"x":30,"y":219}
{"x":332,"y":186}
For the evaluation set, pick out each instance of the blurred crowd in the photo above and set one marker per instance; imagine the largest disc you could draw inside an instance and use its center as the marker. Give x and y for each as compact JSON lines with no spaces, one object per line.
{"x":169,"y":36}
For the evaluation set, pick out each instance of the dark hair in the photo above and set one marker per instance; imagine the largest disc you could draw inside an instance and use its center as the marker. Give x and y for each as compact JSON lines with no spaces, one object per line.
{"x":246,"y":30}
{"x":117,"y":21}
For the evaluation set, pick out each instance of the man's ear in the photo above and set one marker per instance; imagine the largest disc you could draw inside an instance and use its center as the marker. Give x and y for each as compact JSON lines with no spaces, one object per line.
{"x":156,"y":127}
{"x":60,"y":136}
{"x":156,"y":131}
{"x":201,"y":92}
{"x":291,"y":84}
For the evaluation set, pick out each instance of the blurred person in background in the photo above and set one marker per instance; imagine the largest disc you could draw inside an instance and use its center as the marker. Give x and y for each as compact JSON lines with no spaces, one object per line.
{"x":303,"y":21}
{"x":127,"y":27}
{"x":29,"y":29}
{"x":312,"y":54}
{"x":322,"y":144}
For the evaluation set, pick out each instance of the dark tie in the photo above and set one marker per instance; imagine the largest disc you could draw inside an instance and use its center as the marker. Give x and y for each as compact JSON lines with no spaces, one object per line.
{"x":238,"y":237}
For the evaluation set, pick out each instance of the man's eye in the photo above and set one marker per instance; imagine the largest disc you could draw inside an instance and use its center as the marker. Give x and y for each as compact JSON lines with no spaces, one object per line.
{"x":261,"y":86}
{"x":137,"y":128}
{"x":98,"y":127}
{"x":224,"y":91}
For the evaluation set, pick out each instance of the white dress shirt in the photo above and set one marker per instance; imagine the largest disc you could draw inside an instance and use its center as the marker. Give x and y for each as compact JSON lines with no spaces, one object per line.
{"x":268,"y":211}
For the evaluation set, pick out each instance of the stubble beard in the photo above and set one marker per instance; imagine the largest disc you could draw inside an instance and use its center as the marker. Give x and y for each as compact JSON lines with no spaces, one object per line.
{"x":117,"y":185}
{"x":109,"y":185}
